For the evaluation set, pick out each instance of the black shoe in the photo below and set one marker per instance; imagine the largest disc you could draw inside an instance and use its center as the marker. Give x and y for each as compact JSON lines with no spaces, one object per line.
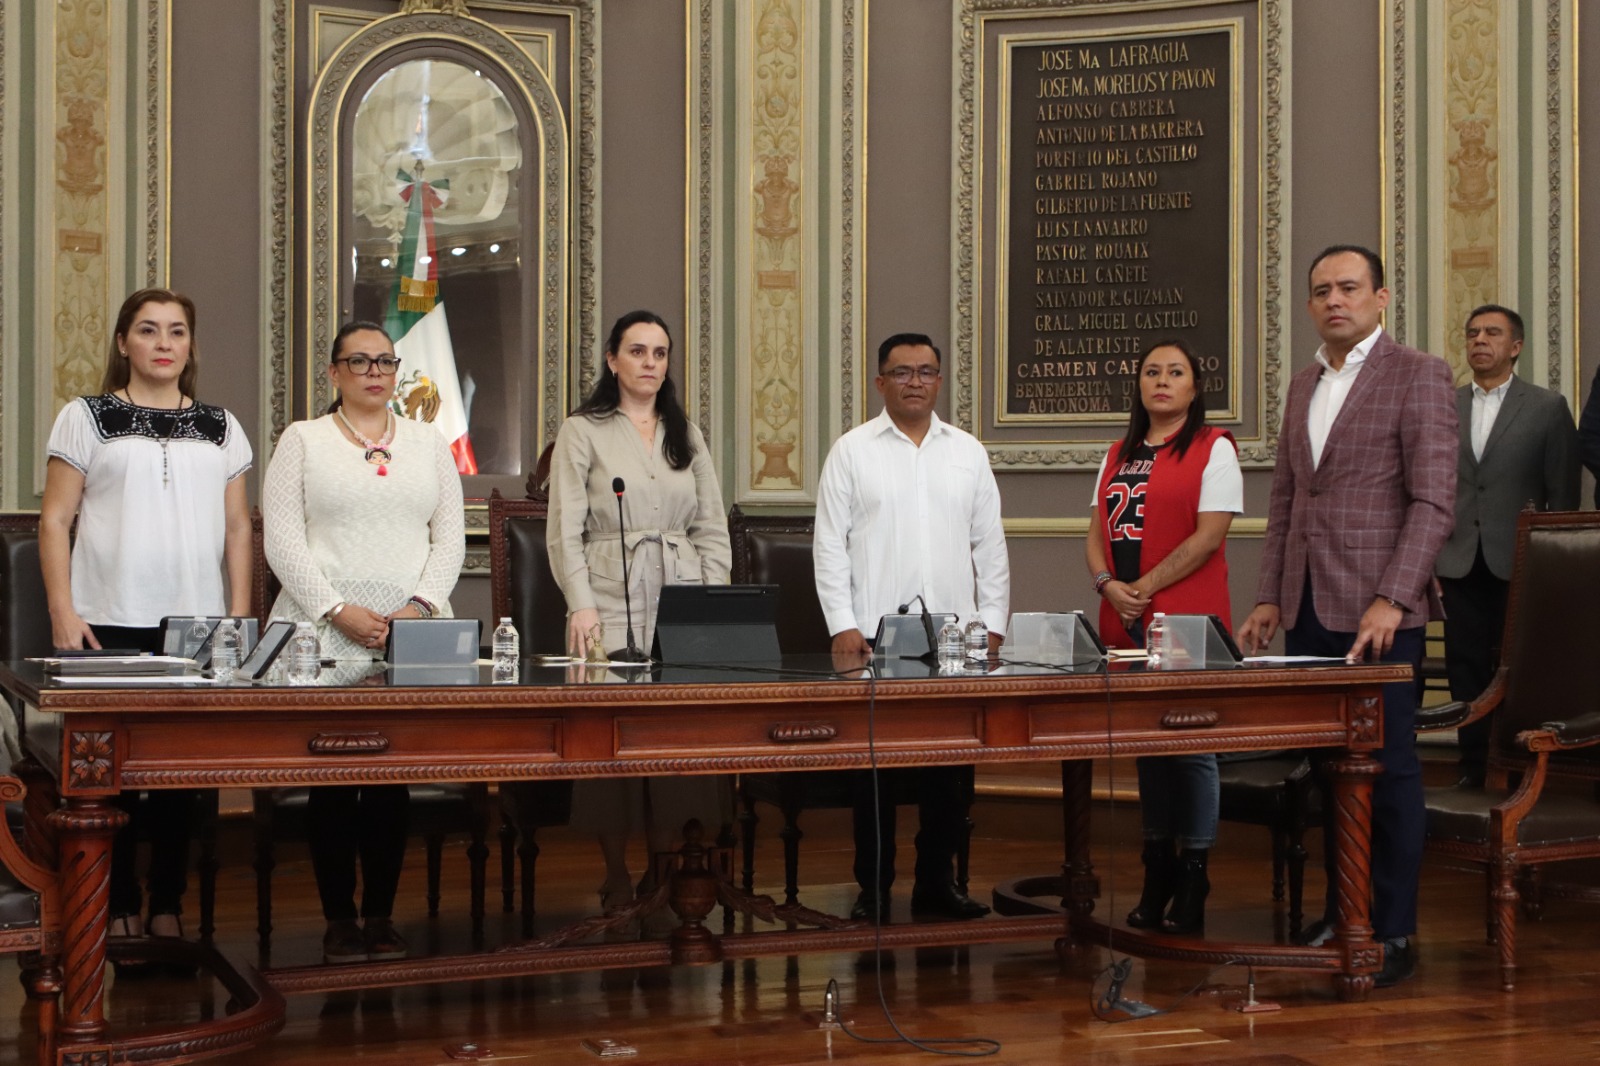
{"x":1399,"y":961}
{"x":870,"y":908}
{"x":1472,"y":779}
{"x":945,"y":901}
{"x":1188,"y":912}
{"x":1318,"y":934}
{"x":1159,"y":862}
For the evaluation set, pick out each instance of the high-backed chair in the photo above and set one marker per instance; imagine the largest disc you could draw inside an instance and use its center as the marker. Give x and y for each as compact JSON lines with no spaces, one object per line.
{"x":522,"y":588}
{"x":777,"y":550}
{"x":1278,"y":792}
{"x":436,"y":810}
{"x":1539,"y":803}
{"x":25,"y":632}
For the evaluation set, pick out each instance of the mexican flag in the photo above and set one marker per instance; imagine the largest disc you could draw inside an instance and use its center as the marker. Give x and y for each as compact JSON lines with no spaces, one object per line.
{"x":428,"y":390}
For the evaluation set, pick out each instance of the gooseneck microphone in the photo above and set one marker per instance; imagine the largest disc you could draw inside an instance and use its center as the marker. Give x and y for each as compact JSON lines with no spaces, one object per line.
{"x":932,"y":654}
{"x":632,"y":654}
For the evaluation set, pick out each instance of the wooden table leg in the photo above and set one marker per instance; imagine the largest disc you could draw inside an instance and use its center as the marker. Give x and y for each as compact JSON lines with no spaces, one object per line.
{"x":1080,"y":886}
{"x":1351,"y":824}
{"x":84,"y":830}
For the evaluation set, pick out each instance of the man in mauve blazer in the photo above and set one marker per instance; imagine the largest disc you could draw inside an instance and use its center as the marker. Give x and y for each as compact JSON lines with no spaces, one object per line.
{"x":1519,"y":447}
{"x":1363,"y":498}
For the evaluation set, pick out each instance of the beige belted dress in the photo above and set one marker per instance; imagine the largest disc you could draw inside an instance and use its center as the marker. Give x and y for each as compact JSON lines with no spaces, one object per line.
{"x":677,"y":533}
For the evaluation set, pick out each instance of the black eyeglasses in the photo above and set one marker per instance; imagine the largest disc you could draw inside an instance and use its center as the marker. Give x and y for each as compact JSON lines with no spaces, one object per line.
{"x":902,"y":375}
{"x":360,"y":364}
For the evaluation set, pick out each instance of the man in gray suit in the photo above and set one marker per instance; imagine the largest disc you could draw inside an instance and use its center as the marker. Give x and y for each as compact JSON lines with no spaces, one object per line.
{"x":1519,"y":446}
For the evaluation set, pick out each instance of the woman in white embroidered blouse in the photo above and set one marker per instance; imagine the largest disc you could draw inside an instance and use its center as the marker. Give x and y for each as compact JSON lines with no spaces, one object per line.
{"x":155,"y":481}
{"x":364,"y":524}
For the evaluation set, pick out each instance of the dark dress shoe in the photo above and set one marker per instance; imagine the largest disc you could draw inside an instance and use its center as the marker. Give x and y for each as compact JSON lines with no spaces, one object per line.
{"x":1318,"y":934}
{"x":945,"y":901}
{"x":869,"y":908}
{"x":1399,"y":961}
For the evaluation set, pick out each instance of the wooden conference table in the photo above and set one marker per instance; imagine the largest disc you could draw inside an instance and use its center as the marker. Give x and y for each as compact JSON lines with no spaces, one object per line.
{"x":85,"y":743}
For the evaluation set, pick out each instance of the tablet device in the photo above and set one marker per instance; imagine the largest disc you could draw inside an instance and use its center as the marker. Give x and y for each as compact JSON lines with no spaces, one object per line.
{"x":433,"y":641}
{"x":181,"y":635}
{"x":266,"y":651}
{"x":717,"y":624}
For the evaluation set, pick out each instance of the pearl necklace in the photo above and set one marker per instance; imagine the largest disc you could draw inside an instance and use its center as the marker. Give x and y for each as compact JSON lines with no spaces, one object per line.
{"x":378,"y":453}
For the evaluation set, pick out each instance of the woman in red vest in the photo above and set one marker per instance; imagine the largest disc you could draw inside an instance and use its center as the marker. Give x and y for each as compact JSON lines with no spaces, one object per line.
{"x":1163,"y":502}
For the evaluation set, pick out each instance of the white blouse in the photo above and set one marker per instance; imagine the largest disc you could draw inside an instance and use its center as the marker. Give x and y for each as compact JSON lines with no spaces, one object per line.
{"x":152,"y":524}
{"x":336,"y":531}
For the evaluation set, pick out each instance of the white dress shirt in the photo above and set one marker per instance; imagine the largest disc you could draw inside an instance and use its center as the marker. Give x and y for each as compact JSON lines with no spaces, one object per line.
{"x":895,"y":520}
{"x":1332,"y":388}
{"x":1485,"y":409}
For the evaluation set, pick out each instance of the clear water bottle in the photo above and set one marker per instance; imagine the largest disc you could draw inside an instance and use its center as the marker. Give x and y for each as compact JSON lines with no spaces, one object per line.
{"x":952,"y":645}
{"x":225,"y":651}
{"x":977,"y":641}
{"x":507,"y":652}
{"x":305,"y":655}
{"x":1155,"y":642}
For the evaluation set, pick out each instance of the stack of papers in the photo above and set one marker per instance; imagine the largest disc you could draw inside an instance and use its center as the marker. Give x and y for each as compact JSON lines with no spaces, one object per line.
{"x":68,"y":666}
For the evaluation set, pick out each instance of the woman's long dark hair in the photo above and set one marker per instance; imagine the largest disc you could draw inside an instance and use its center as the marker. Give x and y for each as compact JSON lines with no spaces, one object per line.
{"x":607,"y":393}
{"x":359,"y":325}
{"x":1139,"y":420}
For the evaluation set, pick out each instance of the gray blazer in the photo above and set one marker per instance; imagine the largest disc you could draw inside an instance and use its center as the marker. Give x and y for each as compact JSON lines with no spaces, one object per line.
{"x":1531,"y":456}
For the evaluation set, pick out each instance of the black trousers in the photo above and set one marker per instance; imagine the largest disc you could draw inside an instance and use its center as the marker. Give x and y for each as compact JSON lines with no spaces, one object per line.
{"x":1475,"y":606}
{"x":163,"y":817}
{"x":943,"y":795}
{"x":1399,"y":816}
{"x":345,"y":822}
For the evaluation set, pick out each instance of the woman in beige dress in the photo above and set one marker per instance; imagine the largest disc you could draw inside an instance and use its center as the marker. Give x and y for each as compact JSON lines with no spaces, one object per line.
{"x":633,"y":427}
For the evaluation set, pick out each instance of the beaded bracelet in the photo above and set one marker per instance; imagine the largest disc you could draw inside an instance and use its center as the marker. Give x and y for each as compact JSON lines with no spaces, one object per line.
{"x":1101,"y":580}
{"x":424,"y":608}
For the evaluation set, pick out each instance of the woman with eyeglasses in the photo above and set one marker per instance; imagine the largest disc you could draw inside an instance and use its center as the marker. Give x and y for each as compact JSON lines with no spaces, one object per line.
{"x":364,"y":525}
{"x":154,"y":479}
{"x":633,"y":427}
{"x":1164,"y":500}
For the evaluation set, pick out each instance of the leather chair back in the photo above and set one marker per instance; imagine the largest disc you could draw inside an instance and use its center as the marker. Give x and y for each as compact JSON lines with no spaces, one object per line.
{"x":776,"y":550}
{"x":521,"y":585}
{"x":1548,"y":660}
{"x":24,"y":615}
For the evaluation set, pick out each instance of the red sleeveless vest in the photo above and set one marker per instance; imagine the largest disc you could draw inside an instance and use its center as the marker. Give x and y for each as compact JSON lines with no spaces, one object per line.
{"x":1171,"y":510}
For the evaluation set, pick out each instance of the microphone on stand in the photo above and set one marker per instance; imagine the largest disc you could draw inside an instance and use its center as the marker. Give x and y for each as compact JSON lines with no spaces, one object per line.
{"x":632,"y":654}
{"x":932,"y":654}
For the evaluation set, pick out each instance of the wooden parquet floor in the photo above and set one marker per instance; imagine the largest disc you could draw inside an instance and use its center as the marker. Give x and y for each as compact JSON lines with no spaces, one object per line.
{"x":764,"y":1012}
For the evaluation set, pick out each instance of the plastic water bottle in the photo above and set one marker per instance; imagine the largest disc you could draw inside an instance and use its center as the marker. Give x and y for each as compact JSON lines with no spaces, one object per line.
{"x":1155,"y":642}
{"x":977,"y":640}
{"x":305,"y":655}
{"x":952,"y":645}
{"x":225,"y":650}
{"x":507,"y":652}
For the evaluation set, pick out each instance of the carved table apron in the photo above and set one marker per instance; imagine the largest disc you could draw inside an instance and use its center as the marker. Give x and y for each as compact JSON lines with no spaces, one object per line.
{"x":89,"y":743}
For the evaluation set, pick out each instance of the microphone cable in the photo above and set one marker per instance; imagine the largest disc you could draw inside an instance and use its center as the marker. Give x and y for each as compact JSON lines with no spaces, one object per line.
{"x":981,"y":1046}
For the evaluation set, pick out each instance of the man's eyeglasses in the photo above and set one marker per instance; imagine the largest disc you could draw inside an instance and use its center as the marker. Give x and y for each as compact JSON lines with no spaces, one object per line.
{"x":360,"y":364}
{"x":902,"y":375}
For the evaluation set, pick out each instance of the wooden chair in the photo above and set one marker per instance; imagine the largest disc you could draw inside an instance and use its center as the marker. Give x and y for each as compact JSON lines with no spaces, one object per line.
{"x":1275,"y":791}
{"x":25,"y":632}
{"x":436,"y":811}
{"x":522,"y":588}
{"x":777,"y":550}
{"x":30,"y":913}
{"x":1539,"y":804}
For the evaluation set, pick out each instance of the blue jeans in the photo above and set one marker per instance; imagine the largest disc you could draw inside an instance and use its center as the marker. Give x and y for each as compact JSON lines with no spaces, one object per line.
{"x":1178,"y":797}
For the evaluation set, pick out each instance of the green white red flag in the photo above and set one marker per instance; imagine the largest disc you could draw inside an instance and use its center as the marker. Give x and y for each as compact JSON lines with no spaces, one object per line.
{"x":429,"y":389}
